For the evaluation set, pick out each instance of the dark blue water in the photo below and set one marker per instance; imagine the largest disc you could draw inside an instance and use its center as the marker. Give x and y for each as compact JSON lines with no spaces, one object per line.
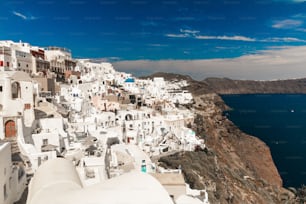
{"x":280,"y":121}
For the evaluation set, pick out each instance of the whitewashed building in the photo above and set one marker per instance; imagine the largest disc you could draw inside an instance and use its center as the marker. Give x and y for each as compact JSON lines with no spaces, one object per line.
{"x":16,"y":103}
{"x":12,"y":176}
{"x":60,"y":60}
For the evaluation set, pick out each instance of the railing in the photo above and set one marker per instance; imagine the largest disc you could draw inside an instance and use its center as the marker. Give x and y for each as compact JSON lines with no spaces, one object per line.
{"x":58,"y":48}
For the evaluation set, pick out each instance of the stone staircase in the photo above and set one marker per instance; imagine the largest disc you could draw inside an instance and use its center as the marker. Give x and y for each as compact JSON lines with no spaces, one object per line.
{"x":14,"y":146}
{"x":15,"y":150}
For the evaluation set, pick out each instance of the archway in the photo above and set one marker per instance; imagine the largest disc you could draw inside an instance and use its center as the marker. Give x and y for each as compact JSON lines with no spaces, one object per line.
{"x":16,"y":91}
{"x":10,"y":129}
{"x":128,"y":117}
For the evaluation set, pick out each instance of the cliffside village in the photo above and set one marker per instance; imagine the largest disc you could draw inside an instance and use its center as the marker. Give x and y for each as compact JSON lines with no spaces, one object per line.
{"x":78,"y":131}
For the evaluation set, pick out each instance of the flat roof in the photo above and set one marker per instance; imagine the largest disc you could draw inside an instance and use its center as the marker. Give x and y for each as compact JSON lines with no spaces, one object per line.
{"x":170,"y":178}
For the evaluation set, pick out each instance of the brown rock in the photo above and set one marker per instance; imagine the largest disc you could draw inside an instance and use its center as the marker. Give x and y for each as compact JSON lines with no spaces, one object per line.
{"x":238,"y":165}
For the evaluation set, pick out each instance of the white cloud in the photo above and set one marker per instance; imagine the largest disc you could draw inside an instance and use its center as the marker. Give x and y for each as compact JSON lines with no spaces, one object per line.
{"x":180,"y":35}
{"x":282,"y":63}
{"x":235,"y":38}
{"x":24,"y":17}
{"x":185,"y":33}
{"x":287,"y":24}
{"x":196,"y":35}
{"x":284,"y":39}
{"x":189,"y":31}
{"x":19,"y":15}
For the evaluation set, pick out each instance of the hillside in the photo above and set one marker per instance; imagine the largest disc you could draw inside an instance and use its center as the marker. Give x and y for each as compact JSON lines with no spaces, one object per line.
{"x":229,"y":86}
{"x":235,"y":167}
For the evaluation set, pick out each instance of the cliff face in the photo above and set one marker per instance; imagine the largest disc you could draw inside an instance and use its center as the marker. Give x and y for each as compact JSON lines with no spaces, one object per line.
{"x":236,"y":167}
{"x":228,"y":86}
{"x":224,"y":137}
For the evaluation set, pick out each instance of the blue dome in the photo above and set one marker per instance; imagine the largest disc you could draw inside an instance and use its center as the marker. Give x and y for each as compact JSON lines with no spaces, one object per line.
{"x":129,"y":80}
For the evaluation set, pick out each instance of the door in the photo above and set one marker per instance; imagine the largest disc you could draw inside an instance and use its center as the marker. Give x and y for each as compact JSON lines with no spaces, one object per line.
{"x":10,"y":129}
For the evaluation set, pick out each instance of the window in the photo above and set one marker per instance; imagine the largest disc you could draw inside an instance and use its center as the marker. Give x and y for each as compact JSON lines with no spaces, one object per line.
{"x":10,"y":182}
{"x":5,"y":195}
{"x":39,"y":161}
{"x":45,"y":141}
{"x":1,"y":63}
{"x":18,"y":64}
{"x":16,"y":93}
{"x":21,"y":173}
{"x":1,"y":88}
{"x":27,"y":106}
{"x":7,"y":64}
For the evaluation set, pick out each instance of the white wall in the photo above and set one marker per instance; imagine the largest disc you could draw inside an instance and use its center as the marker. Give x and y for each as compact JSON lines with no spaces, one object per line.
{"x":24,"y":61}
{"x":53,"y":138}
{"x":27,"y":98}
{"x":6,"y":58}
{"x":53,"y":124}
{"x":2,"y":133}
{"x":13,"y":107}
{"x":5,"y":174}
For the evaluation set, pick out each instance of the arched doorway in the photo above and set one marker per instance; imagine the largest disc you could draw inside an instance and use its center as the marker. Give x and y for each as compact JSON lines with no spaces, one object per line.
{"x":10,"y":129}
{"x":16,"y":91}
{"x":128,"y":117}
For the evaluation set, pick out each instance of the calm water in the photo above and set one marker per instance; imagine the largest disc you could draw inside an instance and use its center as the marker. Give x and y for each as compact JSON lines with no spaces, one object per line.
{"x":280,"y":121}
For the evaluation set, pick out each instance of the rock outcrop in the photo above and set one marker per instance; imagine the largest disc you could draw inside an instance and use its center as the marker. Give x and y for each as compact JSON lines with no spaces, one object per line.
{"x":235,"y":167}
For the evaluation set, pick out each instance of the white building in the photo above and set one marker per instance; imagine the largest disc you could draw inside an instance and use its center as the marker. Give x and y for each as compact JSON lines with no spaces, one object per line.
{"x":102,"y":71}
{"x":50,"y":134}
{"x":17,"y":115}
{"x":12,"y":177}
{"x":20,"y":58}
{"x":60,"y":60}
{"x":181,"y":97}
{"x":16,"y":103}
{"x":64,"y":186}
{"x":130,"y":86}
{"x":5,"y":57}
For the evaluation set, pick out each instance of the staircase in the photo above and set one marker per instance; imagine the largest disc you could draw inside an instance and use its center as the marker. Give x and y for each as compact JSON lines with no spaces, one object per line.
{"x":14,"y":145}
{"x":16,"y":150}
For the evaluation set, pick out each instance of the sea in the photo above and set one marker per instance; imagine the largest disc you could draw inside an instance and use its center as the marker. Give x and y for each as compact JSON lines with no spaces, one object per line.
{"x":280,"y":121}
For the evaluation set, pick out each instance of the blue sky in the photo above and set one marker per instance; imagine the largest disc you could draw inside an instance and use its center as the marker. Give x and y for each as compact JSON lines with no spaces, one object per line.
{"x":156,"y":30}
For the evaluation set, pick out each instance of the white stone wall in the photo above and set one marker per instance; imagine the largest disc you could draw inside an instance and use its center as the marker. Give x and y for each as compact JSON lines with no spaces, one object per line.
{"x":2,"y":133}
{"x":5,"y":174}
{"x":52,"y":137}
{"x":27,"y":98}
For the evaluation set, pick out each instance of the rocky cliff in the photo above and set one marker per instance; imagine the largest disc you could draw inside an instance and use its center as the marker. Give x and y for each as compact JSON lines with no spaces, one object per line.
{"x":229,"y":86}
{"x":235,"y":167}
